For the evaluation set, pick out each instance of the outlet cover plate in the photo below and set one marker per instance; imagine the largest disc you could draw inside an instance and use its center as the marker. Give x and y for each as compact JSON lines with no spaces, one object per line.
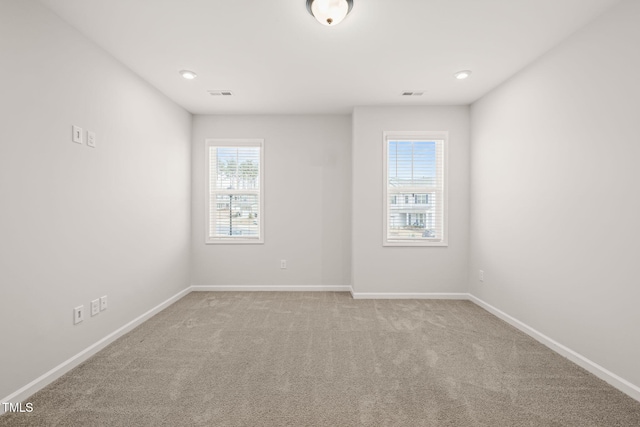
{"x":91,"y":139}
{"x":95,"y":307}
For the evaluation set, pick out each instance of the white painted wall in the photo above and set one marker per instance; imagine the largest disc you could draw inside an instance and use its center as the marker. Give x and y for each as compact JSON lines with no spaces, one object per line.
{"x":378,"y":269}
{"x":555,"y":207}
{"x":307,"y":203}
{"x":76,"y":222}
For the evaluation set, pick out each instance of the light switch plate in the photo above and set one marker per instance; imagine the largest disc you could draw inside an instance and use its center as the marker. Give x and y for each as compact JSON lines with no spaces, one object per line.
{"x":78,"y":314}
{"x":77,"y":134}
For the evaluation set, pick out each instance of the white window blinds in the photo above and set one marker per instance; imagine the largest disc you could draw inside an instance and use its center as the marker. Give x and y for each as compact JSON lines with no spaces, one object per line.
{"x":235,"y":202}
{"x":415,"y":205}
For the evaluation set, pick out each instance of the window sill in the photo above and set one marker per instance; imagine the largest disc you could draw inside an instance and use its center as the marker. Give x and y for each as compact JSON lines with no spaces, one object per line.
{"x":414,"y":244}
{"x":234,"y":242}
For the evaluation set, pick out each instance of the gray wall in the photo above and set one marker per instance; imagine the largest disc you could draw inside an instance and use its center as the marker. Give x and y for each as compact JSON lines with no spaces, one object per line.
{"x":555,"y":204}
{"x":407,"y":269}
{"x":307,"y":203}
{"x":77,"y":222}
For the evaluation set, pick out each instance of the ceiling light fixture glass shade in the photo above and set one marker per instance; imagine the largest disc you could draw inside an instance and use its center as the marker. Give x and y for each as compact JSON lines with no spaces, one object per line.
{"x":329,"y":12}
{"x":189,"y":75}
{"x":461,"y":75}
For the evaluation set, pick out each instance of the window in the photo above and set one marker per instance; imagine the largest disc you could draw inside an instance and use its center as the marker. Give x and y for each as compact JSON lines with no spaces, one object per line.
{"x":235,"y":191}
{"x":415,"y":171}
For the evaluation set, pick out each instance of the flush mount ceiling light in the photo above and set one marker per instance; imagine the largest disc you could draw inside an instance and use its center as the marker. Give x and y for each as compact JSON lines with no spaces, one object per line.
{"x":329,"y":12}
{"x":187,"y":74}
{"x":461,"y":75}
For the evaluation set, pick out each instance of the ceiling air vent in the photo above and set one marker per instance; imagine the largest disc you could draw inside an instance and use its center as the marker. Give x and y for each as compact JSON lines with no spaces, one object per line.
{"x":412,"y":93}
{"x":220,"y":92}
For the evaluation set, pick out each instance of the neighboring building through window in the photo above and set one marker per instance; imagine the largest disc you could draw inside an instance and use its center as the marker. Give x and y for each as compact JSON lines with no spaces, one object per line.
{"x":421,"y":199}
{"x":235,"y":191}
{"x":415,"y":197}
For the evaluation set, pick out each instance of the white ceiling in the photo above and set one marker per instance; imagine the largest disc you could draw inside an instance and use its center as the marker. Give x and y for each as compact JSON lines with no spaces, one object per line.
{"x":277,"y":59}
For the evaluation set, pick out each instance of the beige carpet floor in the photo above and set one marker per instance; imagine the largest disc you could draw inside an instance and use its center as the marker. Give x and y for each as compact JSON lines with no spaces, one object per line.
{"x":324,"y":359}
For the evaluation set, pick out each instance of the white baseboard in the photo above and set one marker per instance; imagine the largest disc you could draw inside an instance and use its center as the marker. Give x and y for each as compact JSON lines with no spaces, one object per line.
{"x":257,"y":288}
{"x":597,"y":370}
{"x":55,"y":373}
{"x":400,"y":295}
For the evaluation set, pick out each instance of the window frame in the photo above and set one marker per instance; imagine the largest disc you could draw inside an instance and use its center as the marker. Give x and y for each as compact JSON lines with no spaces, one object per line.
{"x":388,"y":136}
{"x":234,"y":142}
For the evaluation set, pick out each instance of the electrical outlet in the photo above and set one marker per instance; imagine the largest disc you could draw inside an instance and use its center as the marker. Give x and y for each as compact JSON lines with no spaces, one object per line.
{"x":481,"y":275}
{"x":95,"y":307}
{"x":103,"y":303}
{"x":78,"y":314}
{"x":91,"y":139}
{"x":283,"y":263}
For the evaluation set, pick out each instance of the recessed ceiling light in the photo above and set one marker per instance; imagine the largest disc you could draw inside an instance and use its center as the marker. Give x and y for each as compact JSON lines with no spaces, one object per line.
{"x":187,"y":74}
{"x":461,"y":75}
{"x":412,"y":93}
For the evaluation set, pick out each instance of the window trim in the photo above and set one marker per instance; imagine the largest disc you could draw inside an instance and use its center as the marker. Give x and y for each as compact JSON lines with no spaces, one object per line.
{"x":233,"y":142}
{"x":416,"y":136}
